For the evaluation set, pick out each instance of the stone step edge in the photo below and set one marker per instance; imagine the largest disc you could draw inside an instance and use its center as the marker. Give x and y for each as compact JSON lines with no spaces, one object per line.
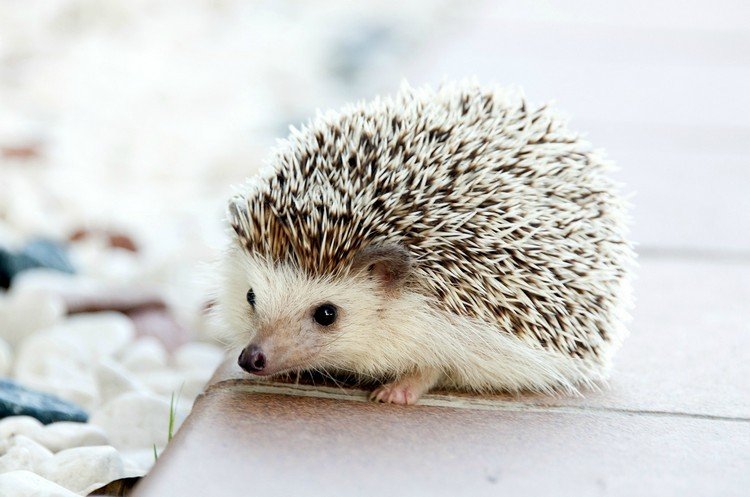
{"x":442,"y":400}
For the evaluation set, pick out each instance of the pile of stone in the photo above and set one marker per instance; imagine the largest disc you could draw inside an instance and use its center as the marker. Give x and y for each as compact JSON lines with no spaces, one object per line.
{"x":95,"y":374}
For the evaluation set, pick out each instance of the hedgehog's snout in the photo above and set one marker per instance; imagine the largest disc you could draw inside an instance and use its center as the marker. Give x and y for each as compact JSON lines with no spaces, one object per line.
{"x":252,"y":359}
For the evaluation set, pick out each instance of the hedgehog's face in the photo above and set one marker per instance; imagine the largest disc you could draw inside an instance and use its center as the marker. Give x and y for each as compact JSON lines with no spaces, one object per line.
{"x":286,"y":320}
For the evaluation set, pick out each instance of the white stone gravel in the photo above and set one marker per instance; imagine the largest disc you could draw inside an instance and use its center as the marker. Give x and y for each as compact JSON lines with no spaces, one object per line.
{"x":24,"y":483}
{"x":197,"y":356}
{"x":25,"y":312}
{"x":22,"y":452}
{"x":136,"y":420}
{"x":130,"y":386}
{"x":83,"y":469}
{"x":113,"y":380}
{"x":50,"y":362}
{"x":6,"y":358}
{"x":67,"y":435}
{"x":101,"y":334}
{"x":144,"y":354}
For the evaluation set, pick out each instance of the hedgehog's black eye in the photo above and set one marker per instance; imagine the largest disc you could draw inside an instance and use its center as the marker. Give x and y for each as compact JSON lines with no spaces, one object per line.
{"x":325,"y":315}
{"x":251,"y":298}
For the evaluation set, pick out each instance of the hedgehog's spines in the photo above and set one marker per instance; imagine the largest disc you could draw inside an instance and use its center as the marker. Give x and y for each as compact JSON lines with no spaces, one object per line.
{"x":506,"y":211}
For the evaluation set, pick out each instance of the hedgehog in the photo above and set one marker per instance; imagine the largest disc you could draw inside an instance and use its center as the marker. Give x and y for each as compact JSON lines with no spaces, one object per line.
{"x":457,"y":238}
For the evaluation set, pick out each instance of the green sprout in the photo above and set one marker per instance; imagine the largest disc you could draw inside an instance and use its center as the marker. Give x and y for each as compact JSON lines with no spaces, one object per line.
{"x":172,"y":416}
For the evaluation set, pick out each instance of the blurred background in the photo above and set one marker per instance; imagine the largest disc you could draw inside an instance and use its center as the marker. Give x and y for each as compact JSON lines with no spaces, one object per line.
{"x":136,"y":116}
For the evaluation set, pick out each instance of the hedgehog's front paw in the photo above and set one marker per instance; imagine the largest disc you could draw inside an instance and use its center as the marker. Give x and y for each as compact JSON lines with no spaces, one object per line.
{"x":405,"y":391}
{"x":394,"y":393}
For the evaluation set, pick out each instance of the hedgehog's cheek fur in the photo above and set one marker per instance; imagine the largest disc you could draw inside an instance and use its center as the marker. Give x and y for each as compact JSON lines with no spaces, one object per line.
{"x":285,"y":299}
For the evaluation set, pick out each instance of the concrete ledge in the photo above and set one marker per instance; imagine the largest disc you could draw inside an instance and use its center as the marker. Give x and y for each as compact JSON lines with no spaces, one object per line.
{"x":261,"y":439}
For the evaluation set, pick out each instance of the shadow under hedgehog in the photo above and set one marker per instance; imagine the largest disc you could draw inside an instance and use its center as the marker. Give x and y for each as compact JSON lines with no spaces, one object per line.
{"x":454,"y":238}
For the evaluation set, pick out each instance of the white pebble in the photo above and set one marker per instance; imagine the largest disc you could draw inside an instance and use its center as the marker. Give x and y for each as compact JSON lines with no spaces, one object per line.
{"x":61,"y":360}
{"x":67,"y":434}
{"x":106,"y":264}
{"x":23,"y":453}
{"x":53,"y":283}
{"x":198,"y":356}
{"x":103,"y":333}
{"x":18,"y":425}
{"x":6,"y":358}
{"x":164,"y":382}
{"x":83,"y":469}
{"x":28,"y":484}
{"x":22,"y":314}
{"x":138,"y":462}
{"x":145,"y":354}
{"x":51,"y":362}
{"x":193,"y":384}
{"x":114,"y":380}
{"x":136,"y":420}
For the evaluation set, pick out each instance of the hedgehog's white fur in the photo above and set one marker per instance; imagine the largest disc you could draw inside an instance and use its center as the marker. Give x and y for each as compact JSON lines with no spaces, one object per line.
{"x":472,"y":354}
{"x":520,"y":278}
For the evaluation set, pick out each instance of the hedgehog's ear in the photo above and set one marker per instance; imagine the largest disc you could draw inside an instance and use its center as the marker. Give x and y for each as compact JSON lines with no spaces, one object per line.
{"x":390,"y":264}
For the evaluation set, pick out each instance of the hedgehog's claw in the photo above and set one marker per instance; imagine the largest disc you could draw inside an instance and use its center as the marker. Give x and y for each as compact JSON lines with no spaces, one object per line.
{"x":394,"y":393}
{"x":405,"y":391}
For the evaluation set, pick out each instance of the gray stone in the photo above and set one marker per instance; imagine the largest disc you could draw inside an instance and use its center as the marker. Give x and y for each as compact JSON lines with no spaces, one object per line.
{"x":16,"y":400}
{"x":39,"y":253}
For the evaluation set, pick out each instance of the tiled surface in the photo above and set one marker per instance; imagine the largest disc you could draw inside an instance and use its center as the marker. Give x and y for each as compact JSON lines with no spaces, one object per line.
{"x":243,"y":443}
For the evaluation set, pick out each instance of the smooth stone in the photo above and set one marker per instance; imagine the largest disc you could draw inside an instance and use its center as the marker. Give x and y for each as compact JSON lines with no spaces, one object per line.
{"x":57,"y":363}
{"x":136,"y":420}
{"x":108,"y":297}
{"x":104,"y":333}
{"x":114,"y":380}
{"x":67,"y":435}
{"x":121,"y":241}
{"x":62,"y":360}
{"x":37,"y":254}
{"x":193,"y":385}
{"x":25,"y":313}
{"x":159,"y":323}
{"x":111,"y":265}
{"x":48,"y":254}
{"x":145,"y":354}
{"x":25,"y":152}
{"x":27,"y":484}
{"x":41,"y":280}
{"x":59,"y":285}
{"x":164,"y":382}
{"x":86,"y":294}
{"x":6,"y":358}
{"x":140,"y":461}
{"x":112,"y":238}
{"x":18,"y":425}
{"x":23,"y":453}
{"x":83,"y":469}
{"x":16,"y":400}
{"x":198,"y":355}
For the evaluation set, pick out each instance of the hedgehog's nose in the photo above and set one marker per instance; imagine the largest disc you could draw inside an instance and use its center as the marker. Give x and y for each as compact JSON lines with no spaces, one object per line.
{"x":252,"y":359}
